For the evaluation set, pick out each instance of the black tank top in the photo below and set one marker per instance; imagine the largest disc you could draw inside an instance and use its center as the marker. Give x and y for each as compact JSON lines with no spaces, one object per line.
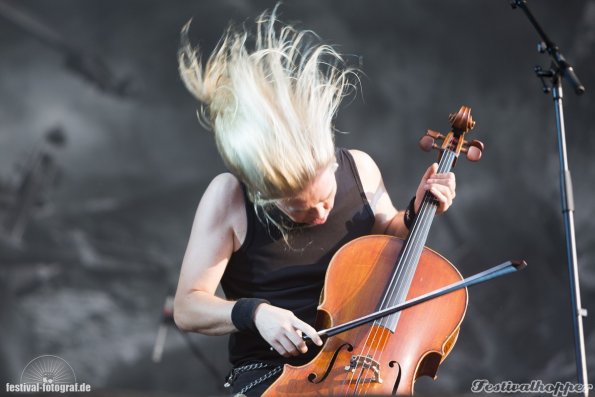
{"x":292,"y":276}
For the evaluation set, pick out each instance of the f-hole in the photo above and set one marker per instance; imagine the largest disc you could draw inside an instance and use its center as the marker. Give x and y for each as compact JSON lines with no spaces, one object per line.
{"x":393,"y":364}
{"x":312,"y":377}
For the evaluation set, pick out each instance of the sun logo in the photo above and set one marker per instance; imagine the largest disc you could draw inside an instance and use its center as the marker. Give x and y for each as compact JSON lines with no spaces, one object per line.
{"x":48,"y":370}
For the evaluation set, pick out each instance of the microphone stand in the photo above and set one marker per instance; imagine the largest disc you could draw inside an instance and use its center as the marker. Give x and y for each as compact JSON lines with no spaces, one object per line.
{"x":561,"y":68}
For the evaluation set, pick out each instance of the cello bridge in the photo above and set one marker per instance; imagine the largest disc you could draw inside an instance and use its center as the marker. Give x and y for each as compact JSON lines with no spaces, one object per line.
{"x":365,"y":362}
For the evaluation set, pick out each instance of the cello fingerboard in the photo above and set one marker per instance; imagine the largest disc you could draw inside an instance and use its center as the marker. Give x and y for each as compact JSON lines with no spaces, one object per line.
{"x":406,"y":264}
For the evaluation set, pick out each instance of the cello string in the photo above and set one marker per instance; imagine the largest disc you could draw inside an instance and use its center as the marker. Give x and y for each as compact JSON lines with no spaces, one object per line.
{"x":409,"y":252}
{"x":374,"y":343}
{"x":412,"y":245}
{"x":411,"y":256}
{"x":361,"y":369}
{"x":417,"y":240}
{"x":371,"y":340}
{"x":356,"y":369}
{"x":368,"y":344}
{"x":412,"y":253}
{"x":400,"y":271}
{"x":406,"y":269}
{"x":401,"y":265}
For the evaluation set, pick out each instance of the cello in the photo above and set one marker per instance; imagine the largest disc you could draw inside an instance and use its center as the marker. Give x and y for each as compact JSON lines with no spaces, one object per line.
{"x":377,"y":272}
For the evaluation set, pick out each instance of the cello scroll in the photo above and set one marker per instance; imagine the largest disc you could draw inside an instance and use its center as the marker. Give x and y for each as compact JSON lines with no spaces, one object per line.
{"x":461,"y":123}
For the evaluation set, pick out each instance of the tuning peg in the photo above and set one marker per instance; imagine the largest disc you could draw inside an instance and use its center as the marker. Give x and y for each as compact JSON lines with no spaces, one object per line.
{"x":473,"y":150}
{"x":434,"y":134}
{"x":428,"y":141}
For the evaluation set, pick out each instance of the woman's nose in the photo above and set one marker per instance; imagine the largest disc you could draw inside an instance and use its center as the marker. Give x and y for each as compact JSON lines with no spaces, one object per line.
{"x":321,"y":209}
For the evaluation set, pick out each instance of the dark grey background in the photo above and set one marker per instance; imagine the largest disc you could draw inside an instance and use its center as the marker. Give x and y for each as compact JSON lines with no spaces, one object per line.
{"x":88,"y":280}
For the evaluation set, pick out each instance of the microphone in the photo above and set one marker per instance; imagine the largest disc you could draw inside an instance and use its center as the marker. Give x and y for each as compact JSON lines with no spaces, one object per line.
{"x":570,"y":76}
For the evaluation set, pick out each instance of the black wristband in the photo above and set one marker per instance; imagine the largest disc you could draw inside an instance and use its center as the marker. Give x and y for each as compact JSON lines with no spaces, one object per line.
{"x":242,"y":313}
{"x":410,"y":215}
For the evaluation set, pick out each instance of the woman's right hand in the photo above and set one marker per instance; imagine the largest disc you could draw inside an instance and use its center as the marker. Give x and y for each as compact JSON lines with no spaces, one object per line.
{"x":283,"y":330}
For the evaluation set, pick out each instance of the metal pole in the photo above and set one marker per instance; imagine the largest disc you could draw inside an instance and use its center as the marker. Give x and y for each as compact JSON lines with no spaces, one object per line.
{"x":567,"y":201}
{"x":562,"y":68}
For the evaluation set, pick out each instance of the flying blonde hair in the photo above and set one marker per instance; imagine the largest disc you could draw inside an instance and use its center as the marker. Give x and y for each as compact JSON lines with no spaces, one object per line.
{"x":269,"y":104}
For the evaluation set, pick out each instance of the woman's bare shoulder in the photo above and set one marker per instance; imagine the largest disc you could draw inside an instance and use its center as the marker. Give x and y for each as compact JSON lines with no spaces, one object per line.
{"x":225,"y":197}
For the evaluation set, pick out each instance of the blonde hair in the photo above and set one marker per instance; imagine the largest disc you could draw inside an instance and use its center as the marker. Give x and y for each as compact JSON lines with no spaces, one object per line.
{"x":270,"y":106}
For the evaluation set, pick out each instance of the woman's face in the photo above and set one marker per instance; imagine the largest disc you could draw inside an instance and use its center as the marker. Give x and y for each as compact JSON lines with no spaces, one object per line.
{"x":313,"y":204}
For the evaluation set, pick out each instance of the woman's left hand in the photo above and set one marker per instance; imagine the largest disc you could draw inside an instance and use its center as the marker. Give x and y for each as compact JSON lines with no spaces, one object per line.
{"x":442,"y":186}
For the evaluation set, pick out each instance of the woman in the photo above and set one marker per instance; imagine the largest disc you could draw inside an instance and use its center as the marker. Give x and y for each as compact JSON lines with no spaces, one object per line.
{"x":267,"y":229}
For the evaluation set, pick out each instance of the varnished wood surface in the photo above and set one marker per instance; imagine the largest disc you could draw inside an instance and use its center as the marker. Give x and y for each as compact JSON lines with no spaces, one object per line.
{"x":355,"y":282}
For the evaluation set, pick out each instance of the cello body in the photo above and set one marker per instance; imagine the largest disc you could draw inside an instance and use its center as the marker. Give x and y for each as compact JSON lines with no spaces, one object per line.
{"x":376,"y":272}
{"x":372,"y":359}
